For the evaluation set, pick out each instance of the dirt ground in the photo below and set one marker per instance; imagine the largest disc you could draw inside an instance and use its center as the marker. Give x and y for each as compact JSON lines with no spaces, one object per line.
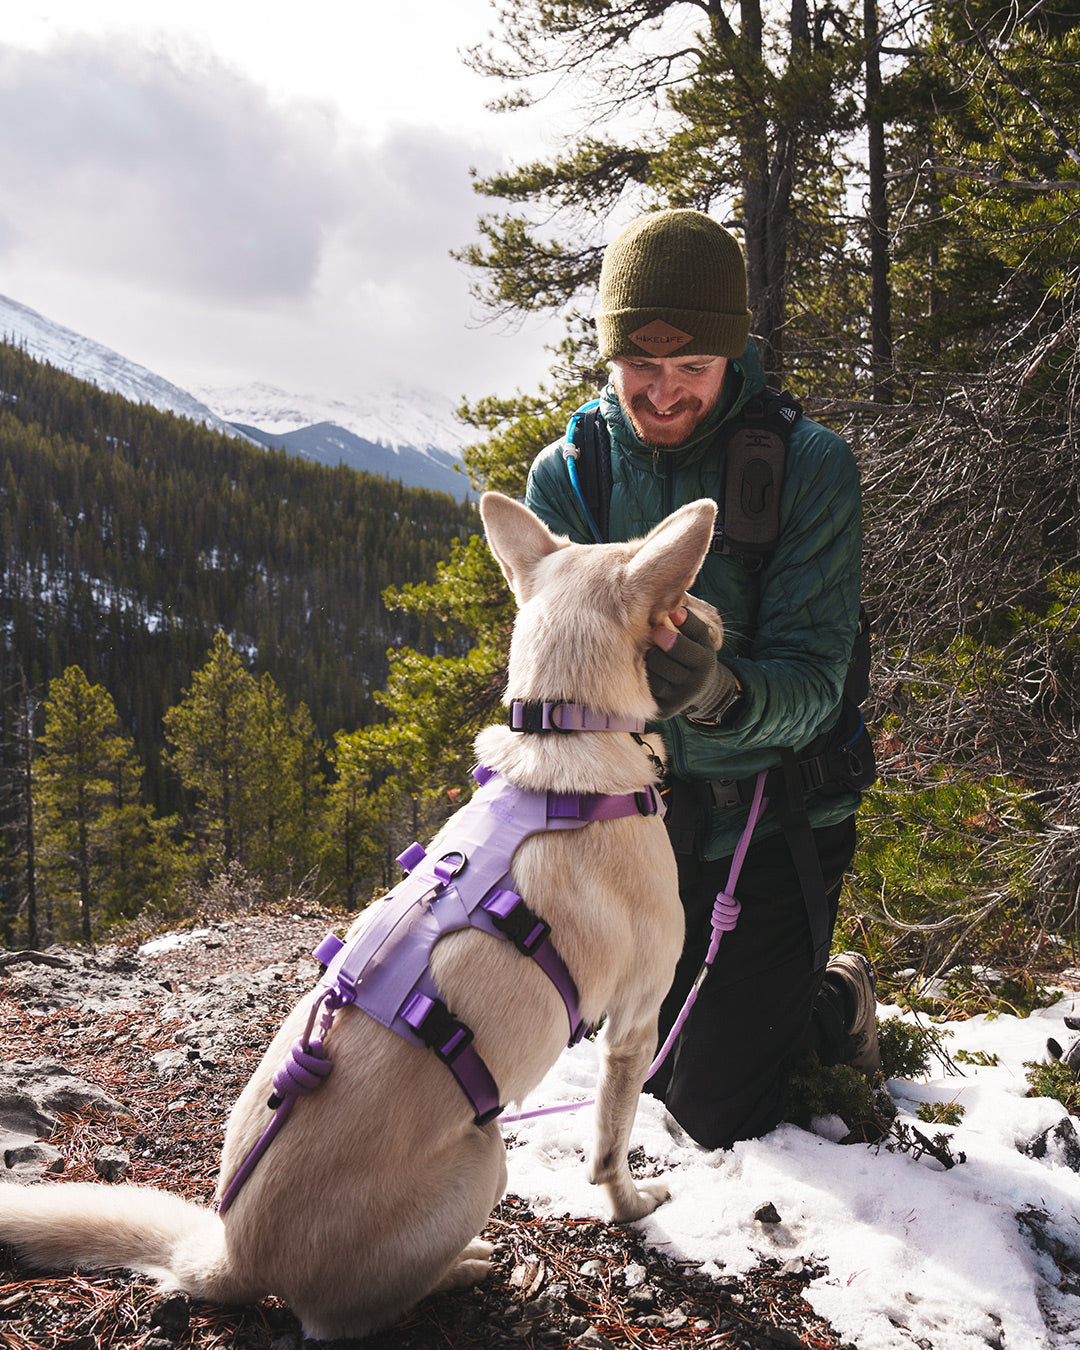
{"x":556,"y":1282}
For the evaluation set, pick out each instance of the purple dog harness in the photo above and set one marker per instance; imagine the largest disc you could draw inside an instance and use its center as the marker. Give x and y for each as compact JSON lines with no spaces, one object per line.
{"x":385,"y":969}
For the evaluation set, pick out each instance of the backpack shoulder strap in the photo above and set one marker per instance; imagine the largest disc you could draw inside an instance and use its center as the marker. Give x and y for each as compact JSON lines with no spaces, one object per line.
{"x":754,"y":476}
{"x":587,"y":452}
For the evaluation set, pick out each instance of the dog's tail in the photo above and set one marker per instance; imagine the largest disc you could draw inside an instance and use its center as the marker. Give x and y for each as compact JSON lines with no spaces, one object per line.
{"x":180,"y":1244}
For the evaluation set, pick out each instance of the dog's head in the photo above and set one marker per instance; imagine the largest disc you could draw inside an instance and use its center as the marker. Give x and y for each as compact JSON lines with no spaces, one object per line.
{"x":586,"y":611}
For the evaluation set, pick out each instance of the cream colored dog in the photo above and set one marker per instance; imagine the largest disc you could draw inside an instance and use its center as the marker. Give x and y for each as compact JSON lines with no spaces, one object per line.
{"x":373,"y":1193}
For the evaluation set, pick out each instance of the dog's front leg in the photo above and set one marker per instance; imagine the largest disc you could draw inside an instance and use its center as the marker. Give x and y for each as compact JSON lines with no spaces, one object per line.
{"x":623,"y":1065}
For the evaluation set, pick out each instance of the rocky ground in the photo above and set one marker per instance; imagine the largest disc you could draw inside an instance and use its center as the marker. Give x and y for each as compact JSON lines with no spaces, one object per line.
{"x":122,"y":1065}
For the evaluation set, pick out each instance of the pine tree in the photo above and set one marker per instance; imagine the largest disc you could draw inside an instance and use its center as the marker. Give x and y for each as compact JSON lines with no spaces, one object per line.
{"x":213,"y":731}
{"x":20,"y":815}
{"x":251,"y":769}
{"x":753,"y":118}
{"x":95,"y":839}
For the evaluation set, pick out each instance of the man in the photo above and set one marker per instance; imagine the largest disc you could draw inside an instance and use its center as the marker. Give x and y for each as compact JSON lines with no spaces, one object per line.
{"x":673,"y":323}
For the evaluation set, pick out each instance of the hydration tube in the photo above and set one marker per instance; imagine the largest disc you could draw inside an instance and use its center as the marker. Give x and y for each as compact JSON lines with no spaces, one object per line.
{"x":570,"y":454}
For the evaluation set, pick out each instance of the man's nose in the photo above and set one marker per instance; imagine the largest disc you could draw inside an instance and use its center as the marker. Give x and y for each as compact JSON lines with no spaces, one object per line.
{"x":666,"y":389}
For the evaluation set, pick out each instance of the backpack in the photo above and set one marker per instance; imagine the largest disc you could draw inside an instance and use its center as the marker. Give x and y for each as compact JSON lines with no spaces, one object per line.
{"x":749,"y":529}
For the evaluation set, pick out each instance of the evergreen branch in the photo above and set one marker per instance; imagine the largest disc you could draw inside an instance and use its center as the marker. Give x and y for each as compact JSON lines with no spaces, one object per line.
{"x":989,"y":178}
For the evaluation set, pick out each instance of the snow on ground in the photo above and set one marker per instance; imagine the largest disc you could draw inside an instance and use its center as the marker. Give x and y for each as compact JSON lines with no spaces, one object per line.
{"x":169,"y":942}
{"x":915,"y":1255}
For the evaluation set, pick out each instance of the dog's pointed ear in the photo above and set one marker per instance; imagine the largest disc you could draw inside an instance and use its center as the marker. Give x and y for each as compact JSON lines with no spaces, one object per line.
{"x":671,"y":555}
{"x":517,"y":538}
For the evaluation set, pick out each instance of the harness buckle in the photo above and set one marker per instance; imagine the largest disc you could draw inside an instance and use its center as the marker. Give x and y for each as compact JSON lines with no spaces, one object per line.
{"x":646,"y":802}
{"x":524,"y":929}
{"x":436,"y":1026}
{"x":536,"y":716}
{"x":526,"y":717}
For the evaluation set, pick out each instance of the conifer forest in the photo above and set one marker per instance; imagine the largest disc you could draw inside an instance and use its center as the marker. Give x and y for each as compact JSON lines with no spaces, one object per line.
{"x":198,"y":702}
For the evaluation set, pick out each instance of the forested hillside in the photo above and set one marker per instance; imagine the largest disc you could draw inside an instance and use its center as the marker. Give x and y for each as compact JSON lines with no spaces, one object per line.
{"x":128,"y":537}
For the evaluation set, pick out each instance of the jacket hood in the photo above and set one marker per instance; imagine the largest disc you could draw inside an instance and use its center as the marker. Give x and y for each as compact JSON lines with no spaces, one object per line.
{"x":744,"y":379}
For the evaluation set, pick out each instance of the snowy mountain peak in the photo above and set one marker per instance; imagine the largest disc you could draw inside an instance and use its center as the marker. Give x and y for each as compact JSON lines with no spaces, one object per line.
{"x":88,"y":360}
{"x":393,"y":416}
{"x":396,"y":432}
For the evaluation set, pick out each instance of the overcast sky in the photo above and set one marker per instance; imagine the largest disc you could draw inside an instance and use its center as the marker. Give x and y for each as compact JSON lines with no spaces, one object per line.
{"x":229,"y":192}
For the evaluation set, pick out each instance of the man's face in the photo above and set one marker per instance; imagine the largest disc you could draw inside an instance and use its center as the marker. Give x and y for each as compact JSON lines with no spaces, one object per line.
{"x":667,"y":397}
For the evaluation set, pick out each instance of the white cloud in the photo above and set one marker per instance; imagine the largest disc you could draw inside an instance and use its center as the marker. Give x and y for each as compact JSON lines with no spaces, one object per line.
{"x":163,"y":202}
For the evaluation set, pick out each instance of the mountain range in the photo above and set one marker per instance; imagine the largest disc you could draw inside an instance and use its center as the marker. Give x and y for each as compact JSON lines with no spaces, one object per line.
{"x":400,"y":433}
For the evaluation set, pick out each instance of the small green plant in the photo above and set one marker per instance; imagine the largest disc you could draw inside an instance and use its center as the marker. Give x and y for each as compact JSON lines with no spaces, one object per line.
{"x":941,"y":882}
{"x":941,"y":1113}
{"x":1054,"y":1080}
{"x":977,"y":1057}
{"x":906,"y":1050}
{"x":840,"y":1090}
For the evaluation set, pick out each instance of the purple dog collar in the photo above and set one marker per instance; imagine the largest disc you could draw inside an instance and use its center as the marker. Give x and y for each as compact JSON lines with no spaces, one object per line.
{"x":537,"y":716}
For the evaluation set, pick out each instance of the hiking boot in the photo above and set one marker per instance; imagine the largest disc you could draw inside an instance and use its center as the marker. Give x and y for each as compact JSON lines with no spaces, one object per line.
{"x":1071,"y":1056}
{"x":854,"y":974}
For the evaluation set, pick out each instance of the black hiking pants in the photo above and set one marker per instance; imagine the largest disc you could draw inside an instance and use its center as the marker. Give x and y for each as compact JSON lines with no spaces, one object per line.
{"x":762,"y":1007}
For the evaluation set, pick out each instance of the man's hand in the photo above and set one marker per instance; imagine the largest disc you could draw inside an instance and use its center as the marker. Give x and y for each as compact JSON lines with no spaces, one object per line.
{"x":684,"y":674}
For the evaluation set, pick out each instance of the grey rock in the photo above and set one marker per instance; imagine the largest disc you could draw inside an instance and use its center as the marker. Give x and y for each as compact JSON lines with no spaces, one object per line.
{"x":112,"y":1164}
{"x":50,"y":1088}
{"x":1058,"y":1143}
{"x":32,"y":1152}
{"x":172,"y":1315}
{"x":32,"y":1094}
{"x":633,"y":1275}
{"x":168,"y":1063}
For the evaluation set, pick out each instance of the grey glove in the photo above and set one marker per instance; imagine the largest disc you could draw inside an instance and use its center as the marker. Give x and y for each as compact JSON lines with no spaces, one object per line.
{"x":689,"y":679}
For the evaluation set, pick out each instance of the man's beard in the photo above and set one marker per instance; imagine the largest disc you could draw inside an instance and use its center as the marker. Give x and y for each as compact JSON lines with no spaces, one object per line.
{"x":653,"y":432}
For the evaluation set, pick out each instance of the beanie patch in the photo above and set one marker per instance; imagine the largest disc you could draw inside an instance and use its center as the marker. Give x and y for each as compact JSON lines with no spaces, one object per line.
{"x":660,"y":338}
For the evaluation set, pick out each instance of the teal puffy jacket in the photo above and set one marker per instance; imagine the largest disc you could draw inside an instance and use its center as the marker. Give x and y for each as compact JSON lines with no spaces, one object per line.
{"x":788,"y":629}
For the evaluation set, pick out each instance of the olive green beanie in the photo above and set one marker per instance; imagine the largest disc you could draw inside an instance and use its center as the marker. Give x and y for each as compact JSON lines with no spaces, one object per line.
{"x":673,"y":284}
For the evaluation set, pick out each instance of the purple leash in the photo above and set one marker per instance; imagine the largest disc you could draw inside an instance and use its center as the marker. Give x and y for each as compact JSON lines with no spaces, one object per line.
{"x":308,"y":1062}
{"x":301,"y":1072}
{"x":725,"y":915}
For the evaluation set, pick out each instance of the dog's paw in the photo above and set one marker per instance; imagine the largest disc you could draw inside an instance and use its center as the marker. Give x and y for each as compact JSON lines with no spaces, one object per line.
{"x":639,"y":1200}
{"x":471,"y":1267}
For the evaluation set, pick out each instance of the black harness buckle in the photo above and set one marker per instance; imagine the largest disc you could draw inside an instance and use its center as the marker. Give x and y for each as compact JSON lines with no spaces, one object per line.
{"x":646,"y":803}
{"x":527,"y":932}
{"x":527,"y":715}
{"x":441,"y":1031}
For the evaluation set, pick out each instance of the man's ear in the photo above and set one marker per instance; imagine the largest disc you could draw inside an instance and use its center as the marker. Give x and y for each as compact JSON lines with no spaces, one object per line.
{"x":670,"y":556}
{"x":518,"y":539}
